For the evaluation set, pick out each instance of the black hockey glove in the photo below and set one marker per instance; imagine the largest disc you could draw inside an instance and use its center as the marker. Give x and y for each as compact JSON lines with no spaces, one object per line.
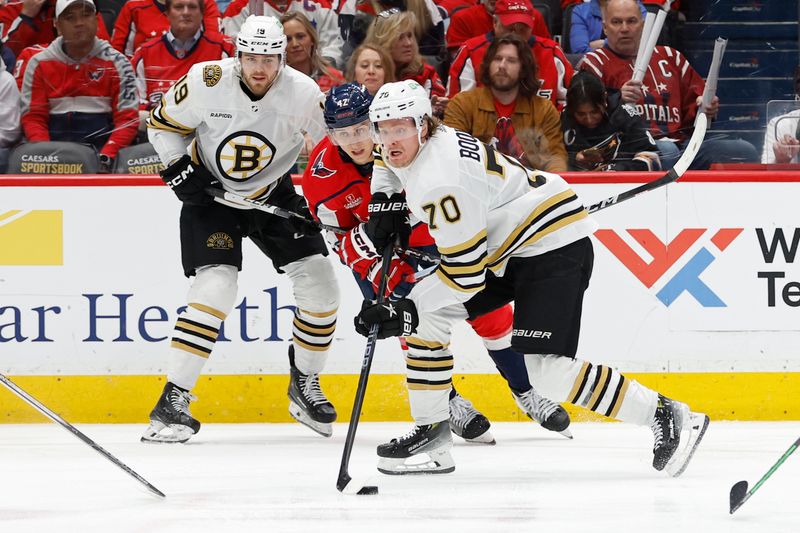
{"x":188,"y":181}
{"x":305,"y":226}
{"x":396,"y":319}
{"x":388,"y":219}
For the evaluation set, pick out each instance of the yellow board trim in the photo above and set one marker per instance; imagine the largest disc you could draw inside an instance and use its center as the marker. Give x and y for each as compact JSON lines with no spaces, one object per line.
{"x":262,"y":398}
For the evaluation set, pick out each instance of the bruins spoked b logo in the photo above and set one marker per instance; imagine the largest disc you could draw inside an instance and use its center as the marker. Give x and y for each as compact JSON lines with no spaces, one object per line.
{"x":244,"y":154}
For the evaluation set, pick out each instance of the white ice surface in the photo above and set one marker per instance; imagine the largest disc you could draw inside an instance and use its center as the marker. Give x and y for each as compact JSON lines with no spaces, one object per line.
{"x":281,"y":477}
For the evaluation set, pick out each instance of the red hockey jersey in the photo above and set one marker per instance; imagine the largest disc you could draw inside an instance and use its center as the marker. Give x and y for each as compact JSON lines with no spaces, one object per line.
{"x":22,"y":61}
{"x":21,"y":32}
{"x":141,"y":20}
{"x":555,"y":72}
{"x":80,"y":98}
{"x":670,"y":85}
{"x":476,"y":21}
{"x":158,"y":66}
{"x":338,"y":195}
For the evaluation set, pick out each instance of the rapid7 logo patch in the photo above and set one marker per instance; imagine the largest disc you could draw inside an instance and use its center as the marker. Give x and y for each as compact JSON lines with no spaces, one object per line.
{"x":666,"y":255}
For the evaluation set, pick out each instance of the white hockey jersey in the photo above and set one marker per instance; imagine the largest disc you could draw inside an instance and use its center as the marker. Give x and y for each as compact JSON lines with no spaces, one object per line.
{"x":248,"y":145}
{"x":482,"y":208}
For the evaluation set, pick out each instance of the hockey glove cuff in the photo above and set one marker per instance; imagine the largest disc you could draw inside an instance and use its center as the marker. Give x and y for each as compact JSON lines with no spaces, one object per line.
{"x":188,"y":181}
{"x":388,"y":219}
{"x":395,"y":319}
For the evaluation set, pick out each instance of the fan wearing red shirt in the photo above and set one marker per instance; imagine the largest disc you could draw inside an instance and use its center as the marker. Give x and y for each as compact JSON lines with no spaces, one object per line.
{"x":161,"y":61}
{"x":31,"y":22}
{"x":141,"y":20}
{"x":669,"y":95}
{"x":478,"y":20}
{"x":514,"y":16}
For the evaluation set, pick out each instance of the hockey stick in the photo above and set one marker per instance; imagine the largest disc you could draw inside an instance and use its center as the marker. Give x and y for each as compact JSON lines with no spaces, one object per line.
{"x":72,"y":429}
{"x":228,"y":198}
{"x":692,"y":147}
{"x":739,"y":492}
{"x":343,"y":482}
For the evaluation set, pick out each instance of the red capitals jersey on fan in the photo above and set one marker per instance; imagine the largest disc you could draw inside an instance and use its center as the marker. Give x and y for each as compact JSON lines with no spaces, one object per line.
{"x":157,"y":64}
{"x":22,"y":61}
{"x":476,"y":21}
{"x":429,"y":79}
{"x":21,"y":32}
{"x":141,"y":20}
{"x":670,"y":85}
{"x":555,"y":72}
{"x":338,"y":194}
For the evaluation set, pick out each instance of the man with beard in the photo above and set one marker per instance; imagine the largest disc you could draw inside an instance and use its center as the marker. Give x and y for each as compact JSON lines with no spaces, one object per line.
{"x":505,"y":110}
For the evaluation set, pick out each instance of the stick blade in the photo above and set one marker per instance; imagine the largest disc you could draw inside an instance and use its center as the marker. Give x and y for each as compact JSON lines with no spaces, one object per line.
{"x":738,"y":492}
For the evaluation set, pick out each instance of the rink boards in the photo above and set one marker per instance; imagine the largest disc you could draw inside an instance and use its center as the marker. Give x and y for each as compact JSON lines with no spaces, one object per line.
{"x":695,"y":291}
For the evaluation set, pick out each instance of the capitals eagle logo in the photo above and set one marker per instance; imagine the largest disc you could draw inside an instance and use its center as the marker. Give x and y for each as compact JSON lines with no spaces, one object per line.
{"x":319,"y":169}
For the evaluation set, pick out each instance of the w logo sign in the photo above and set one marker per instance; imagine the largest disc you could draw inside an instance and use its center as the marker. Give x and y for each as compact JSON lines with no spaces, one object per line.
{"x":666,"y":255}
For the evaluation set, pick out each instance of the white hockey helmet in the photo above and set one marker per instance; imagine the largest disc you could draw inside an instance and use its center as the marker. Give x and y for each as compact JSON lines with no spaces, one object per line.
{"x":401,"y":99}
{"x":261,"y":35}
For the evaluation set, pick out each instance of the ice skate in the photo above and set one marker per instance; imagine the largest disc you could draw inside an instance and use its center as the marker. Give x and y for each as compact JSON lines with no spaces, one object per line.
{"x":547,"y":413}
{"x":423,"y":450}
{"x":468,"y":423}
{"x":677,"y":432}
{"x":307,"y":404}
{"x":170,"y":419}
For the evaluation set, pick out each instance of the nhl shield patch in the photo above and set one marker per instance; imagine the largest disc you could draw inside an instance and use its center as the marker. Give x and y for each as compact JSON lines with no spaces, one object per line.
{"x":212,"y":74}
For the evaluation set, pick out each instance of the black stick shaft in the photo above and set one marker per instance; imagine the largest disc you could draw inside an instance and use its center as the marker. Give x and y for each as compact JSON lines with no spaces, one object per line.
{"x":366,"y":364}
{"x":13,"y":387}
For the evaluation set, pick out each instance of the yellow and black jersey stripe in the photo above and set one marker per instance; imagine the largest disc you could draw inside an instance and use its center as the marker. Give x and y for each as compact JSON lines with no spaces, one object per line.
{"x":161,"y":121}
{"x":463,"y":266}
{"x":542,"y":221}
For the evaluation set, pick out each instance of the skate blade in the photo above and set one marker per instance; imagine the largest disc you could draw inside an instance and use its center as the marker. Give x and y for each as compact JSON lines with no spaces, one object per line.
{"x":322,"y":428}
{"x":438,"y":462}
{"x":697,"y":430}
{"x":485,"y":438}
{"x":567,"y":433}
{"x":160,"y":433}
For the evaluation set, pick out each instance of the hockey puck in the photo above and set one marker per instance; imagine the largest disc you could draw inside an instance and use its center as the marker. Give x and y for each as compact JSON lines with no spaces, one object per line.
{"x":368,"y":490}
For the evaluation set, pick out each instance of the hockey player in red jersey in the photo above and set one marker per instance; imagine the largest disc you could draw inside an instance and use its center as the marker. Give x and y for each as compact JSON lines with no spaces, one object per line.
{"x":514,"y":16}
{"x":161,"y":61}
{"x":336,"y":184}
{"x":667,"y":97}
{"x":141,"y":20}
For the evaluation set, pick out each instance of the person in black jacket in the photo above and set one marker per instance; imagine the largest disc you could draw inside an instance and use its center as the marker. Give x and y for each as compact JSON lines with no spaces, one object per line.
{"x":602,"y":133}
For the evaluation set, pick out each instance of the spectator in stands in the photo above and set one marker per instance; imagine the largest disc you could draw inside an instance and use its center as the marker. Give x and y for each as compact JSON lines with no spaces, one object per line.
{"x":602,"y":133}
{"x":371,"y":66}
{"x":514,"y":16}
{"x":80,"y":89}
{"x":7,"y":56}
{"x":505,"y":110}
{"x":478,"y":20}
{"x":161,"y":61}
{"x":393,"y":30}
{"x":141,"y":20}
{"x":321,"y":13}
{"x":9,"y":115}
{"x":22,"y":61}
{"x":586,"y":27}
{"x":302,"y":51}
{"x":670,"y":94}
{"x":781,"y":144}
{"x":32,"y":22}
{"x":429,"y":29}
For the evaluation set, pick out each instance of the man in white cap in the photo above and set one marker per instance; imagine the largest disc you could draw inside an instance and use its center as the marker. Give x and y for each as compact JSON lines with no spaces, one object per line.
{"x":245,"y":119}
{"x":80,"y":89}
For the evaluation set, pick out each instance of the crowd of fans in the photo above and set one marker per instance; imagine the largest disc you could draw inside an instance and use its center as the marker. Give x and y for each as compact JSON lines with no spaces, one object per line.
{"x":491,"y":68}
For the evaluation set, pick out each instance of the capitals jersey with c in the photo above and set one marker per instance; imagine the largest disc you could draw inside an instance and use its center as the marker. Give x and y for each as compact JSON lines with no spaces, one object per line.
{"x":248,"y":144}
{"x":482,"y":208}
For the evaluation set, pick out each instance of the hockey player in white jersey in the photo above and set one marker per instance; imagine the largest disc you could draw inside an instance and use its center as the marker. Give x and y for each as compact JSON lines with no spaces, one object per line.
{"x":505,"y":233}
{"x":239,"y":124}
